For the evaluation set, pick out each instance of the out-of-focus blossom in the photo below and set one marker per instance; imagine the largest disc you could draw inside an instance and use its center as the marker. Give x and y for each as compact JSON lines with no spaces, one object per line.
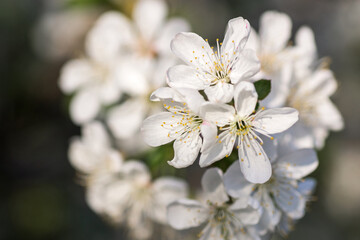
{"x":143,"y":45}
{"x":285,"y":193}
{"x":271,"y":46}
{"x":215,"y":72}
{"x":130,"y":197}
{"x":59,"y":34}
{"x":221,"y":219}
{"x":242,"y":126}
{"x":92,"y":154}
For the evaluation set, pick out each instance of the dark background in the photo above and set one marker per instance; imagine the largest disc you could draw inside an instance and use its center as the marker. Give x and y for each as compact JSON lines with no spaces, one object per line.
{"x":39,"y":195}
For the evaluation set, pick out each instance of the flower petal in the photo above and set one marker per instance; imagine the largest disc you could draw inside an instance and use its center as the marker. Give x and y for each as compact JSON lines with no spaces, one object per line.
{"x":220,"y":93}
{"x":213,"y":186}
{"x":192,"y":49}
{"x":125,"y":120}
{"x":236,"y":35}
{"x":154,"y":133}
{"x":254,"y":162}
{"x":275,"y":31}
{"x":245,"y":98}
{"x":298,"y":164}
{"x":209,"y":132}
{"x":165,"y":191}
{"x":183,"y":76}
{"x":249,"y":215}
{"x":245,"y":67}
{"x":85,"y":106}
{"x":168,"y":31}
{"x":235,"y":183}
{"x":75,"y":74}
{"x":186,"y":213}
{"x":186,"y":150}
{"x":149,"y":16}
{"x":110,"y":35}
{"x":328,"y":115}
{"x":290,"y":200}
{"x":217,"y":113}
{"x":222,"y":147}
{"x":275,"y":120}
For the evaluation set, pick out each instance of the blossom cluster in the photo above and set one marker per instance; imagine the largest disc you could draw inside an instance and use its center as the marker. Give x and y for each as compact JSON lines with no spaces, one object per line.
{"x":252,"y":109}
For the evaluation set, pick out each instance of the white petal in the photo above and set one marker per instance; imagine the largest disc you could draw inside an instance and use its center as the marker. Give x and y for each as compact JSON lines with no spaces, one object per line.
{"x":305,"y":43}
{"x":290,"y":200}
{"x":168,"y":31}
{"x":253,"y":41}
{"x":189,"y":46}
{"x":245,"y":67}
{"x":209,"y":132}
{"x":297,"y":137}
{"x":245,"y":98}
{"x":276,"y":120}
{"x":254,"y":162}
{"x":271,"y":215}
{"x":235,"y":183}
{"x":186,"y":213}
{"x":250,"y":214}
{"x":165,"y":191}
{"x":213,"y":186}
{"x":149,"y":16}
{"x":275,"y":31}
{"x":183,"y":76}
{"x":236,"y":35}
{"x":192,"y":98}
{"x":270,"y":147}
{"x":76,"y":73}
{"x":84,"y":106}
{"x":186,"y":150}
{"x":110,"y":35}
{"x":297,"y":164}
{"x":220,"y":93}
{"x":223,"y":146}
{"x":217,"y":113}
{"x":125,"y":120}
{"x":132,"y":76}
{"x":307,"y":186}
{"x":136,"y":171}
{"x":321,"y":83}
{"x":154,"y":133}
{"x":328,"y":115}
{"x":109,"y":91}
{"x":82,"y":158}
{"x":95,"y":136}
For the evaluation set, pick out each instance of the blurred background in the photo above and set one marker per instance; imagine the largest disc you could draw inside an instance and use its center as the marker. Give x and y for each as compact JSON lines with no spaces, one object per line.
{"x":39,"y":195}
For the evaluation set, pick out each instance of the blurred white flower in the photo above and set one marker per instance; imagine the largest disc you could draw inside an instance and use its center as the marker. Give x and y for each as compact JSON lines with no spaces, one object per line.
{"x":129,"y":197}
{"x":285,"y":193}
{"x":271,"y":46}
{"x":310,"y":95}
{"x":221,"y":220}
{"x":214,"y":71}
{"x":92,"y":154}
{"x":181,"y":123}
{"x":242,"y":125}
{"x":58,"y":34}
{"x":145,"y":53}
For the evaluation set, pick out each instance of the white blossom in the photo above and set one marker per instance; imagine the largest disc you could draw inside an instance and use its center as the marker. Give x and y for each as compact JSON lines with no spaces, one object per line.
{"x":220,"y":219}
{"x":92,"y":153}
{"x":241,"y":126}
{"x":276,"y":57}
{"x":181,"y":123}
{"x":285,"y":193}
{"x":215,"y":71}
{"x":129,"y":197}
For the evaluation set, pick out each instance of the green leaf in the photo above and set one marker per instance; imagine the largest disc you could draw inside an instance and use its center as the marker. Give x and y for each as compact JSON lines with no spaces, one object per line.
{"x":263,"y":88}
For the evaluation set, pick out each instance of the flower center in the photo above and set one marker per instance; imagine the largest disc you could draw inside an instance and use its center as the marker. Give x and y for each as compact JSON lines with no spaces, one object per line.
{"x":268,"y":63}
{"x":182,"y":128}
